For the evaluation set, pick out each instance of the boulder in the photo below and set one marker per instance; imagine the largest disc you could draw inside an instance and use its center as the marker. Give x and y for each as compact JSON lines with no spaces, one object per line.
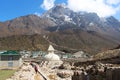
{"x":65,"y":66}
{"x":64,"y":74}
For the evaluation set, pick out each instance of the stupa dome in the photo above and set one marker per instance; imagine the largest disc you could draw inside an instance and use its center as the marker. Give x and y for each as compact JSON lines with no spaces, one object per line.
{"x":51,"y":56}
{"x":51,"y":48}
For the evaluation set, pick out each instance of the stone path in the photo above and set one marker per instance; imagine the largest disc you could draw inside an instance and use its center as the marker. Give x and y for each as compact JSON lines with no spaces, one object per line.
{"x":37,"y":77}
{"x":26,"y":72}
{"x":41,"y":73}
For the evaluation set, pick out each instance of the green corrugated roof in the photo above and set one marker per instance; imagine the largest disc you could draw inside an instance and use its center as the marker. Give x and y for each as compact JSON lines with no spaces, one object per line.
{"x":10,"y":53}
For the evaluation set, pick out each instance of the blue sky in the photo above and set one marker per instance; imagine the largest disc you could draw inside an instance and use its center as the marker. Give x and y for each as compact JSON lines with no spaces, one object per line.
{"x":10,"y":9}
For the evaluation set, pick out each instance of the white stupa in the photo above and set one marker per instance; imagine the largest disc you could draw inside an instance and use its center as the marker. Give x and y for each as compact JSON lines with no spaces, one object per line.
{"x":51,"y":56}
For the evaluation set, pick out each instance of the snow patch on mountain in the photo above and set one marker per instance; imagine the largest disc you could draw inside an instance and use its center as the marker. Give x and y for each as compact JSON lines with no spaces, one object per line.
{"x":67,"y":18}
{"x":91,"y":24}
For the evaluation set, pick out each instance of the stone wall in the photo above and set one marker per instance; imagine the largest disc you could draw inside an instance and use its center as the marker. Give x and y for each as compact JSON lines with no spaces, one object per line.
{"x":113,"y":74}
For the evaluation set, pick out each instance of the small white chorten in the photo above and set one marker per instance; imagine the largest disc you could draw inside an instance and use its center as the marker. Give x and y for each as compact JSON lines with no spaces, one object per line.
{"x":51,"y":56}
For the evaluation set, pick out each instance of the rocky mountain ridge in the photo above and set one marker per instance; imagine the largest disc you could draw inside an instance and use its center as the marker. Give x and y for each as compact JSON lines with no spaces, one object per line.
{"x":86,"y":21}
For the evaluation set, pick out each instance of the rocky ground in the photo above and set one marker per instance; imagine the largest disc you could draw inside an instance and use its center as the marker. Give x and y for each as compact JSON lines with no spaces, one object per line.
{"x":26,"y":72}
{"x":96,"y":71}
{"x":58,"y":70}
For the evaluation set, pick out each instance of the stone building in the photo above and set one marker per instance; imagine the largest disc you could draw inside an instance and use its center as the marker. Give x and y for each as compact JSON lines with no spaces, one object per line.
{"x":10,"y":60}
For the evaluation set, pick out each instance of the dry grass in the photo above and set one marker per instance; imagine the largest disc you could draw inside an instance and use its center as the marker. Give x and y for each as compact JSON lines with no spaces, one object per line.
{"x":4,"y":74}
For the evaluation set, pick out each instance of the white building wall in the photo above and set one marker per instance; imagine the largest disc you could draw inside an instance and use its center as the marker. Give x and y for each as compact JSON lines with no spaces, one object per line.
{"x":16,"y":64}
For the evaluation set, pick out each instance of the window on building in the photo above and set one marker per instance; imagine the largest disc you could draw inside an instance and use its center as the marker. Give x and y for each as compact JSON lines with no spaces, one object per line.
{"x":10,"y":58}
{"x":10,"y":64}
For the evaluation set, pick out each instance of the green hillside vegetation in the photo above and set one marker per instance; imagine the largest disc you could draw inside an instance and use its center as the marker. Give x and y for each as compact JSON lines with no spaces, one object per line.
{"x":77,"y":39}
{"x":23,"y":42}
{"x":70,"y":40}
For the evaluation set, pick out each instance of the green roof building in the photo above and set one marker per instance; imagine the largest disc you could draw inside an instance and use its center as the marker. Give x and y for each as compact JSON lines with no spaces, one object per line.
{"x":10,"y":60}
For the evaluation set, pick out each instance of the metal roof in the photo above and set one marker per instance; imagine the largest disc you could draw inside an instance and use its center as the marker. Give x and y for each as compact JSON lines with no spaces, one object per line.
{"x":11,"y":52}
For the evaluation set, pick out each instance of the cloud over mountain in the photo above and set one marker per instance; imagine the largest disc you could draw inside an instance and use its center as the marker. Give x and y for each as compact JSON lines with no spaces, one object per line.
{"x":113,"y":2}
{"x":47,"y":4}
{"x":103,"y":8}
